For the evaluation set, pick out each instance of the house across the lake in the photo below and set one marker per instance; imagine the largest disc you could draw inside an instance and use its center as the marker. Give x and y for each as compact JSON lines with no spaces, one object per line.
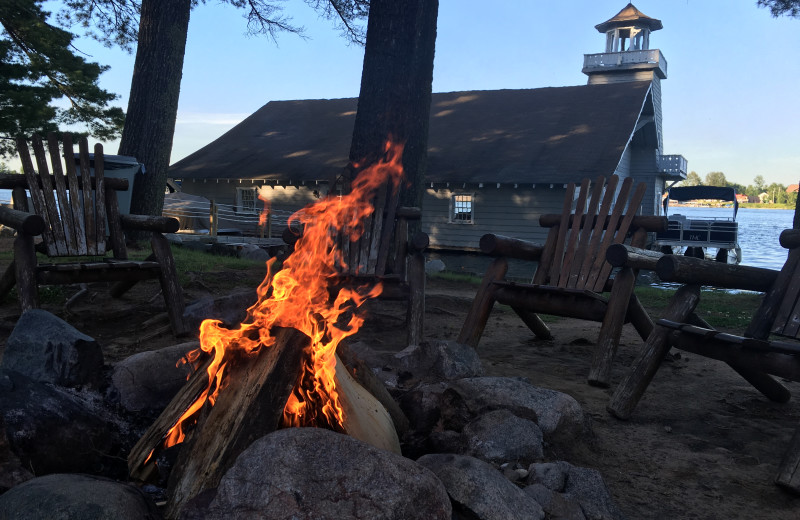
{"x":496,"y":159}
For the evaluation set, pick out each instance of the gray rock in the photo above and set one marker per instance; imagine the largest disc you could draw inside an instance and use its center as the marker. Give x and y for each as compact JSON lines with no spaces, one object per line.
{"x":230,"y":309}
{"x":57,"y":430}
{"x":480,"y":491}
{"x":149,"y":380}
{"x":434,"y":266}
{"x":556,"y":505}
{"x":76,"y":497}
{"x":440,"y":360}
{"x":588,"y":488}
{"x":251,"y":252}
{"x":45,"y":348}
{"x":313,"y":473}
{"x":558,"y":415}
{"x":500,"y":436}
{"x":553,"y":475}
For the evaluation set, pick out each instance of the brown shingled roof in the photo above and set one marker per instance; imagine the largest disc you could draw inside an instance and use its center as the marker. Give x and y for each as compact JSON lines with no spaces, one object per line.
{"x":507,"y":136}
{"x":627,"y":17}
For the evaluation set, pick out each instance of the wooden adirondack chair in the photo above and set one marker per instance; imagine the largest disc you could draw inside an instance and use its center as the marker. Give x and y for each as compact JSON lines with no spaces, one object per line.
{"x":389,"y":253}
{"x":572,"y":272}
{"x":754,"y":355}
{"x":78,"y":210}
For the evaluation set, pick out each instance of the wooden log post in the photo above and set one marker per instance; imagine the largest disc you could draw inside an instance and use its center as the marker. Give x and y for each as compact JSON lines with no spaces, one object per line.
{"x":611,"y":328}
{"x":619,"y":255}
{"x":633,"y":385}
{"x":499,"y":245}
{"x":481,"y":307}
{"x":170,"y":285}
{"x":25,"y":265}
{"x":687,"y":270}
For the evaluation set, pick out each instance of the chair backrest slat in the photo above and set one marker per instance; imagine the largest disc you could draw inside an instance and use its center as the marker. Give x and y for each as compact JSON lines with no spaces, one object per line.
{"x":64,"y":208}
{"x":86,"y":187}
{"x":100,"y":199}
{"x":75,"y":198}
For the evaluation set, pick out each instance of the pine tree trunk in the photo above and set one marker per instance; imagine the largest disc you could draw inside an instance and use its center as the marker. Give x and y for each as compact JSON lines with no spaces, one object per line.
{"x":153,"y":102}
{"x":395,"y":96}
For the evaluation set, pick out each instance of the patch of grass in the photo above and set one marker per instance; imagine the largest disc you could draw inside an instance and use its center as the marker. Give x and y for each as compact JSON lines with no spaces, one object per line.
{"x":722,"y":309}
{"x":452,"y":276}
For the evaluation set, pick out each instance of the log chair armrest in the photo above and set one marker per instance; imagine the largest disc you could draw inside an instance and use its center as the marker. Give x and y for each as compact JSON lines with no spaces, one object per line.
{"x":688,"y":270}
{"x":623,"y":255}
{"x":150,"y":223}
{"x":499,"y":245}
{"x":790,"y":238}
{"x":409,"y":213}
{"x":27,"y":223}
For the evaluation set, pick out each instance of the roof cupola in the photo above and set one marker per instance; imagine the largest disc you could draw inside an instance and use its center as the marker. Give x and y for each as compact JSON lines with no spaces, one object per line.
{"x":627,"y":56}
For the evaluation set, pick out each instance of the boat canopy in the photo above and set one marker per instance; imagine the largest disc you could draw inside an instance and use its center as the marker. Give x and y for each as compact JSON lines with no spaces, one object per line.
{"x":683,"y":193}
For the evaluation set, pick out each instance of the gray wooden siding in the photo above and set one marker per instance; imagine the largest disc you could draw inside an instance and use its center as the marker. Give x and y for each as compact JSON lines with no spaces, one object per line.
{"x":504,"y":211}
{"x":644,"y":168}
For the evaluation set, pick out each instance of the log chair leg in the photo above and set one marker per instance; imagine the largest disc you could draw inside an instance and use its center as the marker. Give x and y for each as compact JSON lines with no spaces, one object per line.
{"x":534,"y":322}
{"x":789,"y":470}
{"x":761,"y":381}
{"x":416,"y":299}
{"x":482,"y":305}
{"x":173,"y":294}
{"x":25,"y":272}
{"x":635,"y":382}
{"x":611,"y":329}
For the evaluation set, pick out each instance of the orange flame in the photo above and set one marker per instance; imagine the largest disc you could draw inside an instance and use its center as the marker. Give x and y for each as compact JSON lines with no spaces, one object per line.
{"x":299,"y":296}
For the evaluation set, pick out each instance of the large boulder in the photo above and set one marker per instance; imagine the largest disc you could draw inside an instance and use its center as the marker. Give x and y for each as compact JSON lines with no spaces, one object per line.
{"x":559,"y":415}
{"x":76,"y":497}
{"x":147,"y":381}
{"x":439,"y":361}
{"x":500,"y":436}
{"x":480,"y":491}
{"x":45,"y":348}
{"x":313,"y":473}
{"x":58,"y":430}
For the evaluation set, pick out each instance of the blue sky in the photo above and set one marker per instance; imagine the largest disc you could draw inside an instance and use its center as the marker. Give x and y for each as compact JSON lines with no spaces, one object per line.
{"x":730,"y":100}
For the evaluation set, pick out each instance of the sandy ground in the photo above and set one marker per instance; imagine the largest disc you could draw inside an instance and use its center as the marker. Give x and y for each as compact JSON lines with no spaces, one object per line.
{"x":702,"y":443}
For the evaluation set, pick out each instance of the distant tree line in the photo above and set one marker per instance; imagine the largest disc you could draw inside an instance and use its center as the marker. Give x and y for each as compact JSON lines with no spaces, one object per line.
{"x":775,"y":192}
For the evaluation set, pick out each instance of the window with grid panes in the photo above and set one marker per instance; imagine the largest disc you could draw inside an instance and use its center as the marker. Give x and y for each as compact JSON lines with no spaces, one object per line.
{"x":461,"y":208}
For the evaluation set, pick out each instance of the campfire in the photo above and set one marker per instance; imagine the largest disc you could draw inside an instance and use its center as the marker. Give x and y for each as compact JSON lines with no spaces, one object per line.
{"x":279,"y":368}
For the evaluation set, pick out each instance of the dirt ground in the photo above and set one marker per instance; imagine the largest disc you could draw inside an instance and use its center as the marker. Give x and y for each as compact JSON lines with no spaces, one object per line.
{"x":701,"y":444}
